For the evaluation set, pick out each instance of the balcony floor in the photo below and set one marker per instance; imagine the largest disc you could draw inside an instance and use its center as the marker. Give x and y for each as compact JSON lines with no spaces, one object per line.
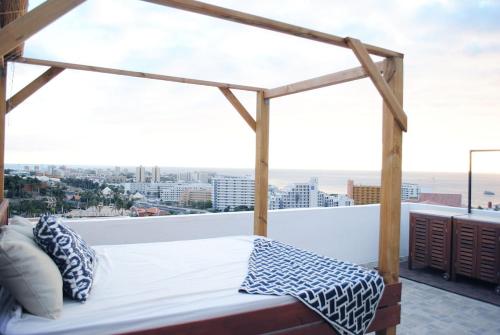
{"x":428,"y":310}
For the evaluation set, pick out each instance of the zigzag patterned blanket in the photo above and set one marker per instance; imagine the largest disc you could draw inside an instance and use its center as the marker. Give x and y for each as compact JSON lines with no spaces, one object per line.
{"x":344,"y":294}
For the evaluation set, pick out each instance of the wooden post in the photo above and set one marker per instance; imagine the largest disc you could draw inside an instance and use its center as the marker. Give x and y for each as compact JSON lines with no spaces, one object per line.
{"x":261,"y":166}
{"x":390,"y":199}
{"x":3,"y":111}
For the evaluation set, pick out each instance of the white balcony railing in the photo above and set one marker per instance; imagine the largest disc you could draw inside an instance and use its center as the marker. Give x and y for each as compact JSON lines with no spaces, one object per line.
{"x":347,"y":233}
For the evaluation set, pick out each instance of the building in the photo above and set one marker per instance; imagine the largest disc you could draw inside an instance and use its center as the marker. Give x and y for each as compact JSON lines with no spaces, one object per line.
{"x":370,"y":194}
{"x":156,"y":175}
{"x":172,"y":192}
{"x":363,"y":194}
{"x":185,"y":176}
{"x":140,"y":174}
{"x":444,"y":199}
{"x":191,"y":195}
{"x":410,"y":191}
{"x":202,"y":176}
{"x":334,"y":200}
{"x":231,"y":192}
{"x":296,"y":195}
{"x":305,"y":195}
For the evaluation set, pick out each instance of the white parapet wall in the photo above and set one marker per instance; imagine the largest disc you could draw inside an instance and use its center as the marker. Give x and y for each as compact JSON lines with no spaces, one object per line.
{"x":347,"y":233}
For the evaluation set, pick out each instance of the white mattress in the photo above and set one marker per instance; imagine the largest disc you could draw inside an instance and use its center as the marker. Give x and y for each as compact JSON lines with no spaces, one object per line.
{"x":143,"y":286}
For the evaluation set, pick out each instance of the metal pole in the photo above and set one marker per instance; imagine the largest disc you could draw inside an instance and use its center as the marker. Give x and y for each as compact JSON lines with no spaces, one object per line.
{"x":469,"y":205}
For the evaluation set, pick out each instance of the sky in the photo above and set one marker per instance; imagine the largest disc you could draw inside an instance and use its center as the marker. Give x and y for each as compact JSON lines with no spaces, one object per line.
{"x":451,"y":88}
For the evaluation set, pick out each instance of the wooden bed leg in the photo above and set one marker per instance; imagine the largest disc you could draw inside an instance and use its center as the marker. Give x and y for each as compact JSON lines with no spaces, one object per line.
{"x":390,"y":202}
{"x":3,"y":111}
{"x":261,"y":165}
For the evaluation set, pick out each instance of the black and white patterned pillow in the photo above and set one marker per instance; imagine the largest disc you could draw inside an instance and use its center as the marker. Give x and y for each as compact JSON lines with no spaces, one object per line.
{"x":75,"y":259}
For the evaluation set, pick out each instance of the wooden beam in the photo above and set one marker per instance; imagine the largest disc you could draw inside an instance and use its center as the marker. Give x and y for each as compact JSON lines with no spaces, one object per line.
{"x":265,"y":23}
{"x":3,"y":111}
{"x":261,"y":166}
{"x":390,"y":197}
{"x":135,"y":74}
{"x":32,"y":87}
{"x":379,"y":81}
{"x":32,"y":22}
{"x":239,"y":107}
{"x":322,"y":81}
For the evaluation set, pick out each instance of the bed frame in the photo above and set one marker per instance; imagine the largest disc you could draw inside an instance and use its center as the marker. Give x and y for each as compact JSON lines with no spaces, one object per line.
{"x":18,"y":25}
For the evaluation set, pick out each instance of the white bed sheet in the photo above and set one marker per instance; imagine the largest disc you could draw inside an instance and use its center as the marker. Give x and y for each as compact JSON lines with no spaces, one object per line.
{"x":144,"y":286}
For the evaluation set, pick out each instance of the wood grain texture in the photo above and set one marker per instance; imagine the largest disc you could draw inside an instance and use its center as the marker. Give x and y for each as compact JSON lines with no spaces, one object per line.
{"x":322,"y":81}
{"x":4,"y":212}
{"x":265,"y":23}
{"x":3,"y":112}
{"x":261,"y":166}
{"x":32,"y":87}
{"x":291,"y":319}
{"x":379,"y":81}
{"x":18,"y":31}
{"x":135,"y":74}
{"x":390,"y":197}
{"x":239,"y":107}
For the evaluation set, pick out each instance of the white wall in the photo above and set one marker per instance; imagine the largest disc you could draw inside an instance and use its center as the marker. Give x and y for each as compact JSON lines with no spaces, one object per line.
{"x":347,"y":233}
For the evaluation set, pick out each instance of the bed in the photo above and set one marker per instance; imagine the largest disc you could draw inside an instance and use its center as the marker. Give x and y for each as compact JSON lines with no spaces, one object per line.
{"x":181,"y":287}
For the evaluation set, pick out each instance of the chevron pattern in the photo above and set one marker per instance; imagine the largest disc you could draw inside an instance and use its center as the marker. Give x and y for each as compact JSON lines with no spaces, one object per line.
{"x":345,"y":294}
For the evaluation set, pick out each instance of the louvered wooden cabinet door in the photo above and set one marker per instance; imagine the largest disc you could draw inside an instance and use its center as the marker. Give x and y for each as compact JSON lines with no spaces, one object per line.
{"x":476,"y":248}
{"x":419,"y":240}
{"x":439,"y":242}
{"x":465,"y":248}
{"x":430,"y":241}
{"x":488,"y":249}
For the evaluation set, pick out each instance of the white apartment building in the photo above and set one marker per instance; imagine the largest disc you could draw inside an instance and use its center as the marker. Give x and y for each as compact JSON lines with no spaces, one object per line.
{"x":231,"y":192}
{"x":410,"y":191}
{"x":156,"y":175}
{"x":296,"y":195}
{"x":140,"y":174}
{"x":304,"y":195}
{"x":172,"y":192}
{"x":185,"y":176}
{"x":168,"y":191}
{"x":334,"y":200}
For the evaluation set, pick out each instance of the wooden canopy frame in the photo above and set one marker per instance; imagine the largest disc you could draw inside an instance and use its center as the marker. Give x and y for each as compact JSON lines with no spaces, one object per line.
{"x":387,"y":77}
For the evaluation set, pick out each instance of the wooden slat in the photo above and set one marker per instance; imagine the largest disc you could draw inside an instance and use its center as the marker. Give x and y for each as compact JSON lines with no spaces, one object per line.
{"x":261,"y":166}
{"x":322,"y":81}
{"x":390,"y":196}
{"x":239,"y":107}
{"x":3,"y":111}
{"x":391,"y":295}
{"x":265,"y":23}
{"x":379,"y":81}
{"x":4,"y":212}
{"x":32,"y":87}
{"x":386,"y":320}
{"x":135,"y":74}
{"x":35,"y":20}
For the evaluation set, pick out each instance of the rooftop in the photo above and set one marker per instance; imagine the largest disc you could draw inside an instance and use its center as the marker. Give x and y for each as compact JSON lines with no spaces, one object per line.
{"x":332,"y":232}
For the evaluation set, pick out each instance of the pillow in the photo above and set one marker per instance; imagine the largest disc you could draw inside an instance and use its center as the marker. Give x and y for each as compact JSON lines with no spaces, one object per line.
{"x":74,"y":258}
{"x":22,"y":226}
{"x":29,"y":274}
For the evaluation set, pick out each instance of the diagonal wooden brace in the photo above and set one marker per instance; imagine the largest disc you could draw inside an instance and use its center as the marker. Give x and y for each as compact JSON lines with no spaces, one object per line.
{"x":32,"y":22}
{"x":32,"y":87}
{"x":239,"y":107}
{"x":380,"y":83}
